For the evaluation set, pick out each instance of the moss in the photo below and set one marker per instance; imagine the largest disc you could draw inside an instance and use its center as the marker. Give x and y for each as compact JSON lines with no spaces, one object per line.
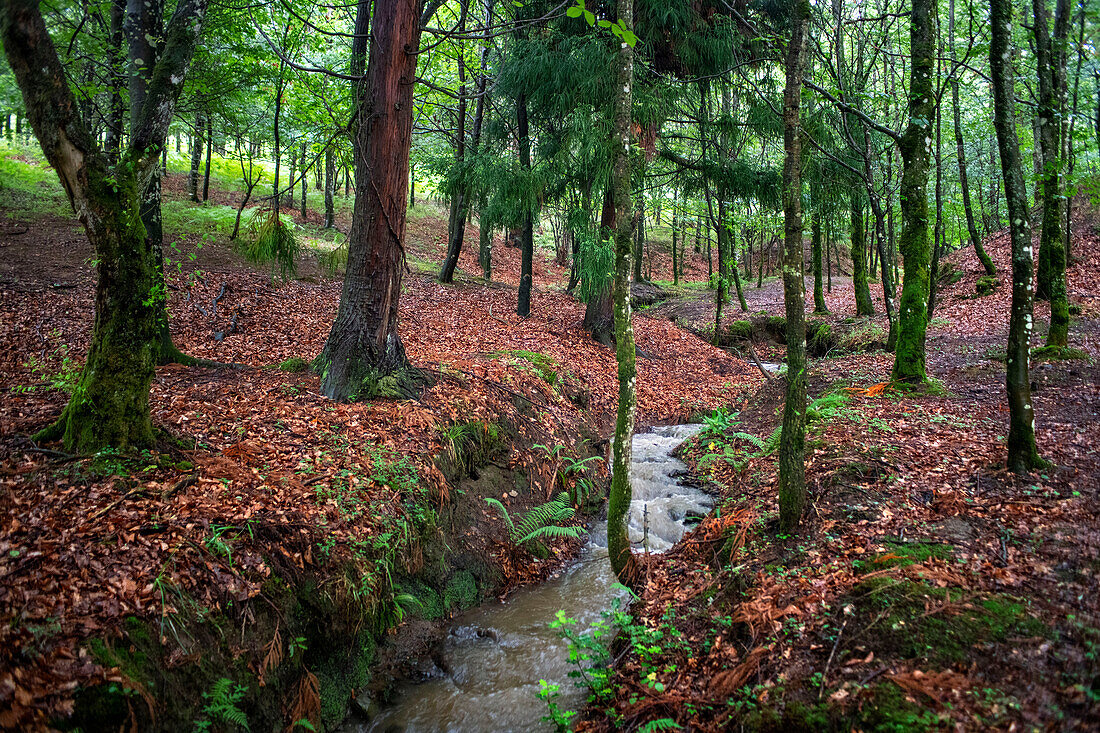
{"x":741,"y":330}
{"x":898,"y":611}
{"x":295,"y":364}
{"x":1051,"y":353}
{"x":461,"y":591}
{"x":903,"y":554}
{"x":985,"y":285}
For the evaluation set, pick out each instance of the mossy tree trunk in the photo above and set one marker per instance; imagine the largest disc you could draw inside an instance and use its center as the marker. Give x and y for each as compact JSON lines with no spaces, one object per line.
{"x":792,"y":440}
{"x":1051,"y":64}
{"x":363,"y":355}
{"x":1023,"y":455}
{"x":916,"y":148}
{"x":864,"y":306}
{"x":110,"y":405}
{"x":618,"y":505}
{"x":819,"y":291}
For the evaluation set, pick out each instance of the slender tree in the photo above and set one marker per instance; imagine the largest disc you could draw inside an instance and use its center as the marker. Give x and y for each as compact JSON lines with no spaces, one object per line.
{"x":792,"y":439}
{"x":1022,"y":452}
{"x":618,"y":504}
{"x":1051,"y":65}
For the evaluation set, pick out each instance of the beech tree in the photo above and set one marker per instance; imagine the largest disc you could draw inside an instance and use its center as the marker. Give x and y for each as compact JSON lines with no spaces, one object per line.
{"x":110,"y":405}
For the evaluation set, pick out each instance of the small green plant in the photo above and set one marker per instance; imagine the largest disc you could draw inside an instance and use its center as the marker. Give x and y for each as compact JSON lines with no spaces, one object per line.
{"x":719,"y":421}
{"x":222,"y":706}
{"x":295,"y":364}
{"x":64,"y":378}
{"x":543,"y":522}
{"x":271,"y":241}
{"x":557,"y":717}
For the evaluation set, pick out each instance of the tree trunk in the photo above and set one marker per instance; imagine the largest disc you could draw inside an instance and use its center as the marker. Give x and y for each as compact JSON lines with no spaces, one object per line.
{"x":864,"y":305}
{"x":485,"y":246}
{"x":527,"y":241}
{"x":938,"y":243}
{"x":196,"y":159}
{"x":960,"y":153}
{"x":330,"y":175}
{"x":599,"y":314}
{"x":915,"y":145}
{"x":618,"y":505}
{"x":456,"y":229}
{"x":819,"y":294}
{"x":209,"y":154}
{"x":112,"y":145}
{"x":364,"y":356}
{"x":305,"y":187}
{"x":1051,"y":65}
{"x":110,"y":405}
{"x":792,"y":439}
{"x":1022,"y":452}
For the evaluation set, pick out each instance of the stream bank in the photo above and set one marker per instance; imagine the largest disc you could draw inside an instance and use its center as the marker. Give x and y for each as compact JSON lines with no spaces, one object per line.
{"x":485,"y":674}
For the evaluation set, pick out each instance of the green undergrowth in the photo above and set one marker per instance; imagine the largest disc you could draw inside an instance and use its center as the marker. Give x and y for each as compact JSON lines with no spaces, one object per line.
{"x":1060,"y":353}
{"x":543,"y":365}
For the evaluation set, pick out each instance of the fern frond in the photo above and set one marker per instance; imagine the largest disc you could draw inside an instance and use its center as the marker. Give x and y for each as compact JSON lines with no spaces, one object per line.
{"x":504,"y":513}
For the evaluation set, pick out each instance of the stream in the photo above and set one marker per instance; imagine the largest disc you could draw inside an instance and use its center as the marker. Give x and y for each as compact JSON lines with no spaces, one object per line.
{"x":497,"y":653}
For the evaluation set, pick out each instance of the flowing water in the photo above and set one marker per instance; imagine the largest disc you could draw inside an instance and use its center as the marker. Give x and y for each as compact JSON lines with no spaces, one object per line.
{"x":497,"y":653}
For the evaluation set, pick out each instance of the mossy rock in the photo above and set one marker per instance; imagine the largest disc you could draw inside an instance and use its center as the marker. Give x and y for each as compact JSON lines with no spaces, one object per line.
{"x":740,"y":330}
{"x":985,"y":286}
{"x":295,"y":364}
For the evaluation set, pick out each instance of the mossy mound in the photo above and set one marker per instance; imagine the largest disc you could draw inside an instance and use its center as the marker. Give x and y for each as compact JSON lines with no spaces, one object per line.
{"x":985,"y":285}
{"x":295,"y":364}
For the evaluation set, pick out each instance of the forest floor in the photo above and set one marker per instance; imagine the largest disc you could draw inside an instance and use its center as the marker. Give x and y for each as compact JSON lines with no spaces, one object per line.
{"x":260,"y":477}
{"x":927,"y":587}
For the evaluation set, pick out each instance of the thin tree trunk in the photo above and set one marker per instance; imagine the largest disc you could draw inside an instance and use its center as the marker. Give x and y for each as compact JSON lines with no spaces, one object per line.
{"x":209,"y":154}
{"x":860,"y":283}
{"x":305,"y":186}
{"x":938,"y":240}
{"x":1022,"y":452}
{"x":196,"y":159}
{"x":527,"y":239}
{"x":618,"y":505}
{"x":1051,"y":65}
{"x":792,"y":440}
{"x":960,"y":153}
{"x":819,"y":295}
{"x":330,"y":175}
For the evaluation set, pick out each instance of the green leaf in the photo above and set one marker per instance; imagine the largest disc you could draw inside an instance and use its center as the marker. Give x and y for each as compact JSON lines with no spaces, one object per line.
{"x":605,"y":24}
{"x":590,"y":17}
{"x":574,"y":12}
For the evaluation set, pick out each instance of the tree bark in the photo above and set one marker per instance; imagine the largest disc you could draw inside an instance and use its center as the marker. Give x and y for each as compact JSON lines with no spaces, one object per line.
{"x":915,"y":145}
{"x":1023,"y":455}
{"x":819,"y":293}
{"x":527,"y":239}
{"x":363,"y":356}
{"x":209,"y":155}
{"x":618,"y":505}
{"x":196,"y":158}
{"x":330,"y":175}
{"x":110,"y":405}
{"x":792,"y":439}
{"x":860,"y":283}
{"x":1051,"y":65}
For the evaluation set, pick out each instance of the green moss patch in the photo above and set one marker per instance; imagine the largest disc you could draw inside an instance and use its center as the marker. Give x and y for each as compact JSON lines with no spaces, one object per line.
{"x":295,"y":364}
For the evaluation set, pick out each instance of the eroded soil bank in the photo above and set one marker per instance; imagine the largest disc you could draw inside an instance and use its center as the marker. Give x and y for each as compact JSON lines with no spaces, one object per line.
{"x":248,"y":567}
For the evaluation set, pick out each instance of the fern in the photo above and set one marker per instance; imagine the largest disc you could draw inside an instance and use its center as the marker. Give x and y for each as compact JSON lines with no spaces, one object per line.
{"x":546,"y":521}
{"x":760,"y":445}
{"x":660,"y":724}
{"x":222,"y":702}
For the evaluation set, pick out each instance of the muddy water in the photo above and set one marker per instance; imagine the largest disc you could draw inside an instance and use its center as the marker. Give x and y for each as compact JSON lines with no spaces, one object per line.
{"x":497,"y":653}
